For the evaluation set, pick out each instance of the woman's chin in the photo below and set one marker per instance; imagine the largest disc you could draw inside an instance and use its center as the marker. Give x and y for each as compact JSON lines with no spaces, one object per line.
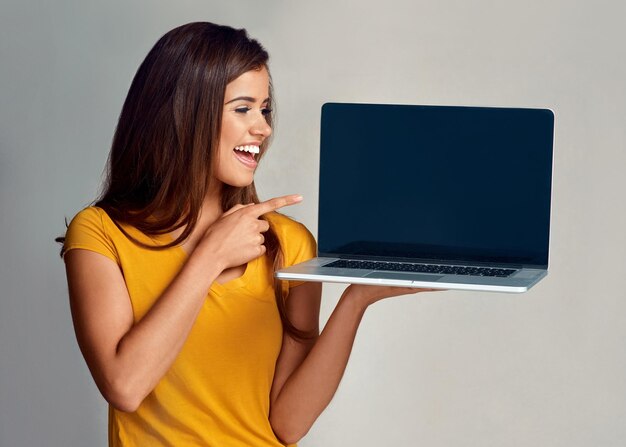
{"x":239,"y":182}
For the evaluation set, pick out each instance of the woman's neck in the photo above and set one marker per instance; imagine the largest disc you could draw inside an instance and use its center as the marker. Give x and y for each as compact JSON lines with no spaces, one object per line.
{"x":210,"y":211}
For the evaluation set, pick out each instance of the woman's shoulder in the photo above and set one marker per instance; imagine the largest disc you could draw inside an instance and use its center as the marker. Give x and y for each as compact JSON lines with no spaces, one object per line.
{"x":89,"y":217}
{"x":91,"y":229}
{"x":94,"y":218}
{"x":283,"y":224}
{"x":296,"y":240}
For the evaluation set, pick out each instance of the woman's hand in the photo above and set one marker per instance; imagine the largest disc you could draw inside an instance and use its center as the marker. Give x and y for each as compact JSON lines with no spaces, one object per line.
{"x":366,"y":295}
{"x":237,"y":236}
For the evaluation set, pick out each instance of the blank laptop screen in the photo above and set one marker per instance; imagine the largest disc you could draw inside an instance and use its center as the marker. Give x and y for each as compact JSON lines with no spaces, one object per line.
{"x":435,"y":182}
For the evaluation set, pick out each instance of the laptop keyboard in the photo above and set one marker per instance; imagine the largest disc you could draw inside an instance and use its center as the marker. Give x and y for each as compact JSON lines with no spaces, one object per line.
{"x":421,"y":268}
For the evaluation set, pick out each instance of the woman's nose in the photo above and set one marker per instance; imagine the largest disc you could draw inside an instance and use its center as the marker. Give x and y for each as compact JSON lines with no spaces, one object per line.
{"x":261,"y":127}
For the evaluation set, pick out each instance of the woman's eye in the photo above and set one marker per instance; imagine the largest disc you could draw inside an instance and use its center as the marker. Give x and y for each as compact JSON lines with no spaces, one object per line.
{"x":264,"y":112}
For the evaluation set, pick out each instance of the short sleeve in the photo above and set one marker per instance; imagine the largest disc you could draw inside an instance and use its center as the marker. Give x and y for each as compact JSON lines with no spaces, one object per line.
{"x":297,"y":242}
{"x":87,"y":231}
{"x":306,"y":249}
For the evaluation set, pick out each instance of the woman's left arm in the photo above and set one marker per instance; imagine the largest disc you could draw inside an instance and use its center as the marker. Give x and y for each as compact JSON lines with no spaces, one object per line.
{"x":308,"y":374}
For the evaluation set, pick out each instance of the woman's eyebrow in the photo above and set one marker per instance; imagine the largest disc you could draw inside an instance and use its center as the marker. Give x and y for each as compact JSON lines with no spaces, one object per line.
{"x":246,"y":98}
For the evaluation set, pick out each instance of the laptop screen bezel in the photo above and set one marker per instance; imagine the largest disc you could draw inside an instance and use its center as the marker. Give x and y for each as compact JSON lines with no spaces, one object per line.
{"x":510,"y":262}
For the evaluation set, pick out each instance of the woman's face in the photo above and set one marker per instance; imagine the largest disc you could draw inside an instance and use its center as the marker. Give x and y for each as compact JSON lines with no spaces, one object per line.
{"x":244,"y":127}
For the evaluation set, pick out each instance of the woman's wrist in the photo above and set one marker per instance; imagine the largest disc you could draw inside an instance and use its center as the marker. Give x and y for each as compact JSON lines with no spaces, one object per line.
{"x":357,"y":298}
{"x":366,"y":295}
{"x":207,"y":251}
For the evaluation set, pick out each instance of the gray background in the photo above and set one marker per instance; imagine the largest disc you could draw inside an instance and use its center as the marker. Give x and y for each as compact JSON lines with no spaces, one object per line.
{"x":547,"y":368}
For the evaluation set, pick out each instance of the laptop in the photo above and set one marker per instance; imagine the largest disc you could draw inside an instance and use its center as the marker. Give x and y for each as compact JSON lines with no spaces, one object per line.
{"x":443,"y":197}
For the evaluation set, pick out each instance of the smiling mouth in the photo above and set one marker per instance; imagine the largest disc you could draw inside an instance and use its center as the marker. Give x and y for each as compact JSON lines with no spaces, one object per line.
{"x":250,"y":149}
{"x":247,"y":154}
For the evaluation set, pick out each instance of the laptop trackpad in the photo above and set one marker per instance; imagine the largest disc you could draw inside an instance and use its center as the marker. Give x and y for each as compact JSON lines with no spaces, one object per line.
{"x":405,"y":276}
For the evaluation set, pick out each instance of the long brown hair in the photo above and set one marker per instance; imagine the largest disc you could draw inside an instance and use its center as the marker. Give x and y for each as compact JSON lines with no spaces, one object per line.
{"x":167,"y":137}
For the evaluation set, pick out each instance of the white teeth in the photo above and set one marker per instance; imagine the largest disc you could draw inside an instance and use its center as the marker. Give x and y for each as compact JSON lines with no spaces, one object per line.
{"x":251,"y":148}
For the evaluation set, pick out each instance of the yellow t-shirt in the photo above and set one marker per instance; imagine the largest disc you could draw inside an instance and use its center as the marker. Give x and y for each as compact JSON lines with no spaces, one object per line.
{"x":216,"y":393}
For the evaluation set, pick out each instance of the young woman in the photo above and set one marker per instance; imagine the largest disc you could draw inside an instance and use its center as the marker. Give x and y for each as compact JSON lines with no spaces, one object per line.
{"x":187,"y":334}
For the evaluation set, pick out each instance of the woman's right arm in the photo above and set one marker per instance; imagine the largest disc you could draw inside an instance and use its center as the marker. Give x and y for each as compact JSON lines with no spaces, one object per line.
{"x":127,"y":360}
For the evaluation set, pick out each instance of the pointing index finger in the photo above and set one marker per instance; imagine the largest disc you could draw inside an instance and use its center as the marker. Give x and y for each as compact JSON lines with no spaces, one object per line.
{"x":275,"y":203}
